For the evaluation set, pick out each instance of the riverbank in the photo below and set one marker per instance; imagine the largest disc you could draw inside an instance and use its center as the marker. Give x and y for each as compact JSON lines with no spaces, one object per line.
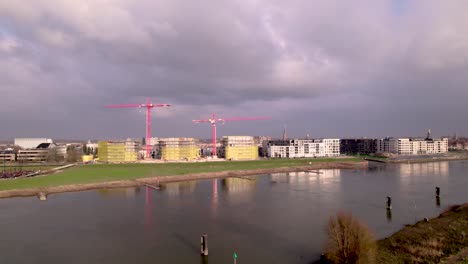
{"x":428,"y":158}
{"x":442,"y":239}
{"x":90,"y":177}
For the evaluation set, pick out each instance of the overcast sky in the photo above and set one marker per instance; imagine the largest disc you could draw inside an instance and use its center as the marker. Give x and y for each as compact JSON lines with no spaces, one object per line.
{"x":328,"y":68}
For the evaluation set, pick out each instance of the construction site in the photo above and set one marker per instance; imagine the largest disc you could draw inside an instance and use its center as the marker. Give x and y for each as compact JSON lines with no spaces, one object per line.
{"x":178,"y":149}
{"x":173,"y":149}
{"x":118,"y":151}
{"x":239,"y":148}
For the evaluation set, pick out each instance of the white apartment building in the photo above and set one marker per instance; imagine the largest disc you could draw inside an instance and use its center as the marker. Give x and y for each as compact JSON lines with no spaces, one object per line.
{"x":412,"y":146}
{"x":302,"y":148}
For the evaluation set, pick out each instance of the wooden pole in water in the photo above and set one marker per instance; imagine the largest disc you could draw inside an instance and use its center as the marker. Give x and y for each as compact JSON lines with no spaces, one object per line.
{"x":389,"y":203}
{"x":204,"y":245}
{"x":437,"y":191}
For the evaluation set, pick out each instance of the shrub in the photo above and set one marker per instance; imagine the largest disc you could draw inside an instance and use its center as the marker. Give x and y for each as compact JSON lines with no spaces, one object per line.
{"x":349,"y":241}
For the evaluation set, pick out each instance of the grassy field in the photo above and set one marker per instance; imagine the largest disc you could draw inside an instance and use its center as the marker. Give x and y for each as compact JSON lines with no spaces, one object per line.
{"x":429,"y":242}
{"x":114,"y":172}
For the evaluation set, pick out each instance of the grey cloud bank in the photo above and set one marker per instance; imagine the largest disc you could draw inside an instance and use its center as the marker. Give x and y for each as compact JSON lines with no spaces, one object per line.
{"x":327,"y":68}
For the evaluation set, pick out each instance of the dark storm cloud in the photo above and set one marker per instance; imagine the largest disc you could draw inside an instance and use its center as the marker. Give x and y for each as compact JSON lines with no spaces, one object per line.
{"x":327,"y":68}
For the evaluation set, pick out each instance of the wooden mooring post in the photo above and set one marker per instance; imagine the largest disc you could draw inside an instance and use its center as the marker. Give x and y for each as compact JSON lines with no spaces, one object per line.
{"x":389,"y":203}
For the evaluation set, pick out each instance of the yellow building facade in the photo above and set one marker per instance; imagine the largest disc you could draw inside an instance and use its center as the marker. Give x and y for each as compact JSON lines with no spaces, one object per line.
{"x":239,"y":148}
{"x":117,"y":151}
{"x":173,"y":149}
{"x":87,"y":158}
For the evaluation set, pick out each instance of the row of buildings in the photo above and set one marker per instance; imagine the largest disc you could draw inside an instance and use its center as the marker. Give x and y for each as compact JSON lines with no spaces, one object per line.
{"x":231,"y":148}
{"x":398,"y":146}
{"x":173,"y":149}
{"x":36,"y":150}
{"x":228,"y":147}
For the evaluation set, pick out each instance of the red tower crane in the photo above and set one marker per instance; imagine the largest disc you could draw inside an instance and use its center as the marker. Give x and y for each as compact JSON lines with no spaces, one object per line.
{"x":149,"y":106}
{"x":213,"y":120}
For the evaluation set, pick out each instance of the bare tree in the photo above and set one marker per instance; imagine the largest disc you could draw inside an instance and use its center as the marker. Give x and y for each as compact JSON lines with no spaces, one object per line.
{"x":73,"y":154}
{"x":52,"y":155}
{"x":349,"y":241}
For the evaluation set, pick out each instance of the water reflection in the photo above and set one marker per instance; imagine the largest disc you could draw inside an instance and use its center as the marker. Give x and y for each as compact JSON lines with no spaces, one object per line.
{"x":214,"y":198}
{"x":127,"y":192}
{"x":411,"y":174}
{"x":417,"y":169}
{"x":176,"y":188}
{"x":389,"y":215}
{"x":148,"y":209}
{"x":239,"y":189}
{"x":239,"y":185}
{"x":322,"y":177}
{"x":324,"y":180}
{"x":322,"y":185}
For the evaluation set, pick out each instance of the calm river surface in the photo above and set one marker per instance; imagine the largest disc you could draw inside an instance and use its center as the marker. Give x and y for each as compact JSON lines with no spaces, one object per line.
{"x":276,"y":218}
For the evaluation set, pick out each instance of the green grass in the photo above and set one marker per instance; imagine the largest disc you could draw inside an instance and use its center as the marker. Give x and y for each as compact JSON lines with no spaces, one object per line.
{"x":114,"y":172}
{"x":428,"y":242}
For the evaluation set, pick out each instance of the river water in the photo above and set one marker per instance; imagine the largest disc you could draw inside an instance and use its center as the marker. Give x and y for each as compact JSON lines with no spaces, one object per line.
{"x":275,"y":218}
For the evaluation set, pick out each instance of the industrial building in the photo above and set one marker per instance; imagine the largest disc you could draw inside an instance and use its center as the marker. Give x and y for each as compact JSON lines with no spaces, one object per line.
{"x":31,"y":143}
{"x":239,"y":148}
{"x":302,"y":148}
{"x":118,"y":151}
{"x":179,"y":149}
{"x":358,"y":146}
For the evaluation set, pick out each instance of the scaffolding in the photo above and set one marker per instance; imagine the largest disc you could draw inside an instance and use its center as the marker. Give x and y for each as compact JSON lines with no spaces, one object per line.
{"x":179,"y":149}
{"x":239,"y":148}
{"x":118,"y":151}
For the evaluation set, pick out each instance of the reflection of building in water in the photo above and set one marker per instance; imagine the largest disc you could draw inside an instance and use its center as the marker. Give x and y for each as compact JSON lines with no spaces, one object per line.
{"x":127,"y":192}
{"x":175,"y":188}
{"x":238,"y":190}
{"x":214,"y":198}
{"x":415,"y":173}
{"x":148,"y":209}
{"x":239,"y":185}
{"x":417,"y":169}
{"x":318,"y":176}
{"x":323,"y":186}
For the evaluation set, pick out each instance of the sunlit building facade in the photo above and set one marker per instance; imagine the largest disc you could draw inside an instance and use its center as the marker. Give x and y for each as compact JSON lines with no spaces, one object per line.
{"x":118,"y":151}
{"x":239,"y":148}
{"x":302,"y":148}
{"x":412,"y":146}
{"x":173,"y":149}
